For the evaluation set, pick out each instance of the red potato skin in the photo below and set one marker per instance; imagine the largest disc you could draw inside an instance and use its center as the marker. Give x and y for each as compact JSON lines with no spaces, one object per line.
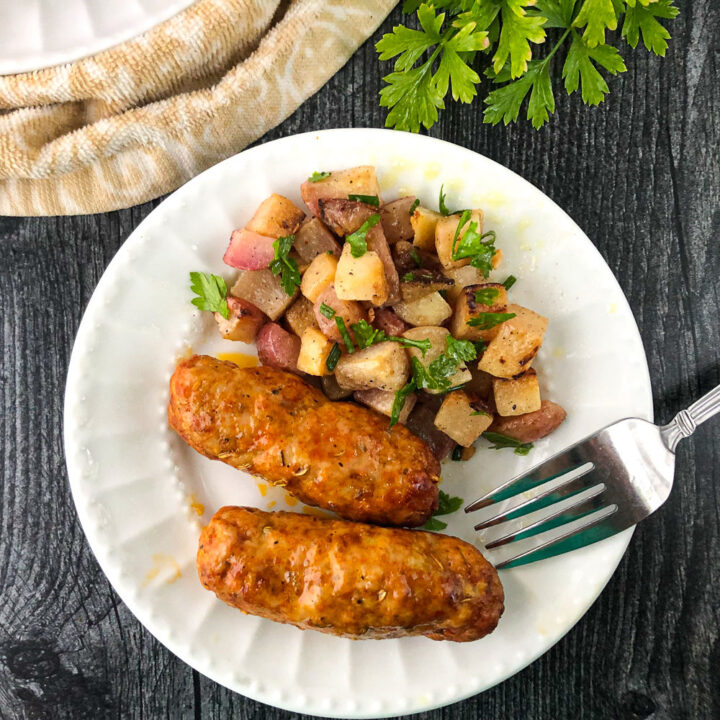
{"x":249,"y":250}
{"x":278,"y":348}
{"x":333,"y":455}
{"x":313,"y":239}
{"x":421,"y":422}
{"x":395,"y":218}
{"x":387,"y":320}
{"x":531,"y":426}
{"x":350,"y":311}
{"x":349,"y":579}
{"x":251,"y":318}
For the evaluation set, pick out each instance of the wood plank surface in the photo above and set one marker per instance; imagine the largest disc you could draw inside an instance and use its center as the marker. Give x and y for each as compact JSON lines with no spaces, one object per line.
{"x":641,"y":175}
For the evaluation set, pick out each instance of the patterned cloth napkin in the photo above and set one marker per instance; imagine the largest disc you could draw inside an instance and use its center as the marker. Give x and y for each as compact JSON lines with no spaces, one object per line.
{"x":136,"y":121}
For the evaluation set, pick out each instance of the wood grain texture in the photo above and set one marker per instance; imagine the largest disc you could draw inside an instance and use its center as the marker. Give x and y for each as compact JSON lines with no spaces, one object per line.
{"x":641,"y":175}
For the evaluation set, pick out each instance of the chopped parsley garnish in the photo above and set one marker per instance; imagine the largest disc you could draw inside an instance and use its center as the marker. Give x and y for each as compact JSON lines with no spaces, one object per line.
{"x":344,"y":334}
{"x":510,"y":280}
{"x":460,"y":350}
{"x":480,"y":347}
{"x":284,"y":265}
{"x":486,"y":296}
{"x":399,"y":403}
{"x":480,"y":412}
{"x":485,"y":321}
{"x":318,"y":176}
{"x":408,"y":277}
{"x":473,"y":244}
{"x":441,"y":202}
{"x":367,"y":199}
{"x":358,"y":239}
{"x":327,"y":311}
{"x":413,"y":207}
{"x":457,"y":453}
{"x":501,"y":441}
{"x":415,"y":255}
{"x":333,"y":357}
{"x":446,"y":506}
{"x":366,"y":335}
{"x":211,"y":291}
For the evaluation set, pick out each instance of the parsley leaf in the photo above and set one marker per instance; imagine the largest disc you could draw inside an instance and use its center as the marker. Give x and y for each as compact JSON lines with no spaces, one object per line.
{"x":284,"y":265}
{"x":415,"y":255}
{"x":366,"y":335}
{"x":641,"y":18}
{"x":399,"y":403}
{"x":367,"y":199}
{"x":518,"y":30}
{"x":408,"y":277}
{"x":596,"y":16}
{"x":485,"y":321}
{"x":434,"y":525}
{"x":473,"y":245}
{"x":318,"y":176}
{"x":460,"y":350}
{"x":579,"y":67}
{"x":446,"y":506}
{"x":501,"y":441}
{"x":457,"y":453}
{"x":211,"y":291}
{"x":358,"y":239}
{"x":486,"y":296}
{"x":441,"y":203}
{"x":436,"y":376}
{"x":413,"y":207}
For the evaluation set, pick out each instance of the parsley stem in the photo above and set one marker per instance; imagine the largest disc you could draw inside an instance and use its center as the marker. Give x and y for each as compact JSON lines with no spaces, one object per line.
{"x":557,"y":47}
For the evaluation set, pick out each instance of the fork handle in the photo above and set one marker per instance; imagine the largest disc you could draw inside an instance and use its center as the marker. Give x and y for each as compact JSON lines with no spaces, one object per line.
{"x":686,"y":421}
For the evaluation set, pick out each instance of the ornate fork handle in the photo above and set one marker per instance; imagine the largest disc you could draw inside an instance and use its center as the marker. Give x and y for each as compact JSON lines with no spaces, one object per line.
{"x":686,"y":421}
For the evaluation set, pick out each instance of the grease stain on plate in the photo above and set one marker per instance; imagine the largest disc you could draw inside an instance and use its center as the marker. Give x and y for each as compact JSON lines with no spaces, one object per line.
{"x":242,"y":360}
{"x":196,"y":506}
{"x":165,"y":569}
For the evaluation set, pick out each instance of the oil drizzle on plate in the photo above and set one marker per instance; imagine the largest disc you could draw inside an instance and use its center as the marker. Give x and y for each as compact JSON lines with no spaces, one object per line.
{"x":196,"y":505}
{"x":165,"y":568}
{"x":240,"y":359}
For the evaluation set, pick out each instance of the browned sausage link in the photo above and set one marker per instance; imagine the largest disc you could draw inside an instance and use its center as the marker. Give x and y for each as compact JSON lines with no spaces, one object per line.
{"x":349,"y":579}
{"x":336,"y":456}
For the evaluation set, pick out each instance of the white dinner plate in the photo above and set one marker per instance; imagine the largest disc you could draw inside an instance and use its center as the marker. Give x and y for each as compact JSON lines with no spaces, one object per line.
{"x":36,"y":34}
{"x":142,"y":495}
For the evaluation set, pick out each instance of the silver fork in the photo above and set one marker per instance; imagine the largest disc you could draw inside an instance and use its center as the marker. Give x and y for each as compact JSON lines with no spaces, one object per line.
{"x":600,"y":486}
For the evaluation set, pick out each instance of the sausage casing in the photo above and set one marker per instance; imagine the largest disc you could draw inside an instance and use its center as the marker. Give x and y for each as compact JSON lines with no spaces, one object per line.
{"x":349,"y":579}
{"x":337,"y":456}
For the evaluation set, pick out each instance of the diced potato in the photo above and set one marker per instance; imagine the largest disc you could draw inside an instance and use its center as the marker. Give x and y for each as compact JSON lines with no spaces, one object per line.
{"x":497,"y":259}
{"x":463,"y":276}
{"x":314,"y":351}
{"x":438,"y":339}
{"x":445,"y":234}
{"x":264,"y":290}
{"x":341,"y":183}
{"x":428,"y":310}
{"x":300,"y":316}
{"x":462,"y":418}
{"x":481,"y":383}
{"x":384,"y":366}
{"x":534,"y":425}
{"x":361,"y":278}
{"x":386,"y":320}
{"x":244,"y":322}
{"x":249,"y":250}
{"x":332,"y":389}
{"x":313,"y":239}
{"x":423,"y":223}
{"x":518,"y":395}
{"x":350,"y":312}
{"x":396,"y":219}
{"x":319,"y":276}
{"x":377,"y":243}
{"x":517,"y":342}
{"x":417,"y":284}
{"x":467,"y":307}
{"x":382,"y":401}
{"x":344,"y":216}
{"x":276,"y":217}
{"x":277,"y":347}
{"x":422,"y":423}
{"x":409,"y":258}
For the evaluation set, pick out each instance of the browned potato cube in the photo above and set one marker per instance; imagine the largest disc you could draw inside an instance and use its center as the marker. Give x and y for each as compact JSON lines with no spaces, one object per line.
{"x":339,"y":184}
{"x":445,"y":235}
{"x":428,"y":310}
{"x":332,"y":389}
{"x":481,"y":383}
{"x":462,"y":418}
{"x":350,"y":312}
{"x":462,"y":277}
{"x":518,"y":395}
{"x":313,"y":239}
{"x":472,"y":302}
{"x":314,"y":351}
{"x":264,"y":290}
{"x":276,"y":217}
{"x":244,"y":322}
{"x":396,"y":219}
{"x":362,"y":278}
{"x":423,"y":223}
{"x":319,"y":276}
{"x":513,"y":349}
{"x":382,"y":401}
{"x":300,"y":316}
{"x":417,"y":284}
{"x":384,"y":366}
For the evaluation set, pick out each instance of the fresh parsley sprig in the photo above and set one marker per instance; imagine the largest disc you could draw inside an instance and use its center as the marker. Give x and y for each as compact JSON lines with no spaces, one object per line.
{"x":211,"y":291}
{"x":479,"y":247}
{"x":366,"y":335}
{"x":284,"y":265}
{"x":318,"y":176}
{"x":485,"y":321}
{"x":486,"y":296}
{"x":367,"y":199}
{"x":501,"y":441}
{"x":358,"y":239}
{"x":440,"y":54}
{"x":446,"y":506}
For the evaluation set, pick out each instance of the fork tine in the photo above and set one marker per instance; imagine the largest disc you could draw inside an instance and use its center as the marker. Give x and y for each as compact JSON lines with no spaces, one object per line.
{"x":512,"y":528}
{"x":521,"y":548}
{"x":551,"y":468}
{"x":500,"y":510}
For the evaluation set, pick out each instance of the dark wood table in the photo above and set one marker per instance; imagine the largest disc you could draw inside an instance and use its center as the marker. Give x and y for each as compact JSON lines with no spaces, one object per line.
{"x":641,"y":175}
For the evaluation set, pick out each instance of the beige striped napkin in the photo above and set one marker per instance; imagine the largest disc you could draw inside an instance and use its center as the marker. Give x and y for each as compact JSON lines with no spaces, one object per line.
{"x":136,"y":121}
